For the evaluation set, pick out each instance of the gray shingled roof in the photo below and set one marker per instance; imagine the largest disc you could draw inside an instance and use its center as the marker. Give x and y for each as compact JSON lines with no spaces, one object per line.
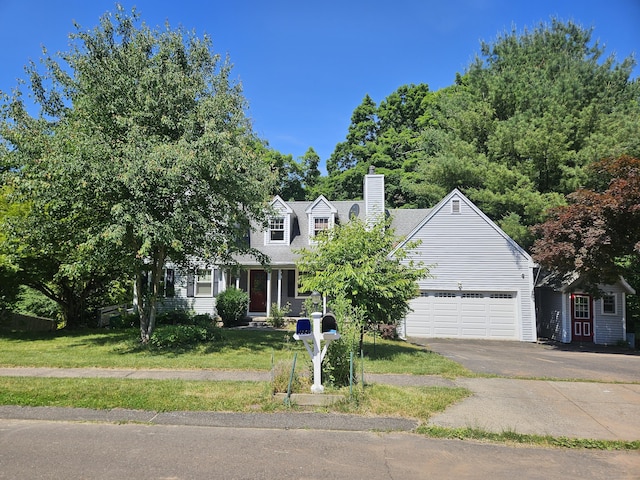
{"x":403,"y":223}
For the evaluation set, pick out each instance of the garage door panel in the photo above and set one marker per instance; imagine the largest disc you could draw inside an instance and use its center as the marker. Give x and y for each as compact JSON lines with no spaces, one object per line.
{"x":463,"y":315}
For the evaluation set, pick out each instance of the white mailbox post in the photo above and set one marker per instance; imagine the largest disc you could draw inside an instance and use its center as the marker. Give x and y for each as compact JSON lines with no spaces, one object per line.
{"x":315,"y":336}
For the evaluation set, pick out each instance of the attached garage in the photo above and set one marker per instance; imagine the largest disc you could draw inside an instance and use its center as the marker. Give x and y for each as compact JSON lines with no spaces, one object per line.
{"x":450,"y":314}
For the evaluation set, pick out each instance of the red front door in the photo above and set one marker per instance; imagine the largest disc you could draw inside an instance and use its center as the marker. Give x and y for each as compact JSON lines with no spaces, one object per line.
{"x":581,"y":318}
{"x":257,"y":291}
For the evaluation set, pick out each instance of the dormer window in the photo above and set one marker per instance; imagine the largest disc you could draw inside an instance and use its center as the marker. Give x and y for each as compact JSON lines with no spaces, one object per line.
{"x":320,"y":224}
{"x":276,"y":229}
{"x":321,"y":215}
{"x":278,"y":232}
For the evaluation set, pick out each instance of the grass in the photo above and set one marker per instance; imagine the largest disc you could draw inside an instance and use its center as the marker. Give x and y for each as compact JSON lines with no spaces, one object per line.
{"x":243,"y":350}
{"x":515,"y":438}
{"x":181,"y":395}
{"x":239,"y":349}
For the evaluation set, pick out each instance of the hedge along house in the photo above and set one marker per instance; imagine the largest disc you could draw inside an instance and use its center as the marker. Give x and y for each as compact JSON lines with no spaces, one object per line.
{"x":568,"y":313}
{"x":481,"y":285}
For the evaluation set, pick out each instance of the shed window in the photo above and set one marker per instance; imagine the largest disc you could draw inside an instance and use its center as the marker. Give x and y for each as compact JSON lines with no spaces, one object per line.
{"x":609,"y":304}
{"x":455,"y":206}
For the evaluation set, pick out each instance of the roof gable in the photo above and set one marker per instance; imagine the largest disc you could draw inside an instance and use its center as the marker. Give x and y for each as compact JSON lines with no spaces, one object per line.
{"x":464,"y":203}
{"x":280,"y":206}
{"x":321,"y":203}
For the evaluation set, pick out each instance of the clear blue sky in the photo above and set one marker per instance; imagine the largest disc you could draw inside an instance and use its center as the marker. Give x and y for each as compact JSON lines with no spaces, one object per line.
{"x":304,"y":64}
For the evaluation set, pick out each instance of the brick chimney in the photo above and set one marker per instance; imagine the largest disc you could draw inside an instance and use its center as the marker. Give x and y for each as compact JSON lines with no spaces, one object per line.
{"x":373,"y":190}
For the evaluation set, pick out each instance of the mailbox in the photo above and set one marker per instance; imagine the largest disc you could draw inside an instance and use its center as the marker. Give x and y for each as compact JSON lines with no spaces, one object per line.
{"x":329,"y":323}
{"x":303,"y":326}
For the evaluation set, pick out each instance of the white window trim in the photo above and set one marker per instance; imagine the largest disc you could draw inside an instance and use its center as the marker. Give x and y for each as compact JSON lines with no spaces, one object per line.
{"x":312,"y":225}
{"x":588,"y":309}
{"x":456,"y":206}
{"x":615,"y":304}
{"x":197,"y":282}
{"x":285,"y":231}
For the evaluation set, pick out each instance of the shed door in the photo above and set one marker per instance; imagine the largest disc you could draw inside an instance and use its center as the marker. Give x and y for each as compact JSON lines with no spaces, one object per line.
{"x":581,"y":318}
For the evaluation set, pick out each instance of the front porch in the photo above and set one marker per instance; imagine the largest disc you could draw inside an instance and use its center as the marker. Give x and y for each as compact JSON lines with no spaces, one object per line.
{"x":279,"y":287}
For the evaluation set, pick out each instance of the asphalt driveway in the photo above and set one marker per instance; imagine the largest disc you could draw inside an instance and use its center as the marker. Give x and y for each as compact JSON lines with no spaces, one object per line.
{"x":540,"y":360}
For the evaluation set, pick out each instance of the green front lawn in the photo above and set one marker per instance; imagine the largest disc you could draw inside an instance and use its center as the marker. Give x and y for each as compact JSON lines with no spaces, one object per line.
{"x":239,"y":349}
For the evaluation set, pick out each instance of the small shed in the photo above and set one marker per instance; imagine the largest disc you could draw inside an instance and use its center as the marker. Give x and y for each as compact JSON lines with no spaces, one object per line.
{"x":566,"y":312}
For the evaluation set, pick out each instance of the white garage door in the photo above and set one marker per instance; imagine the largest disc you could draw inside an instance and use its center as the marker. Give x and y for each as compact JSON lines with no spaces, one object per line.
{"x":463,"y":315}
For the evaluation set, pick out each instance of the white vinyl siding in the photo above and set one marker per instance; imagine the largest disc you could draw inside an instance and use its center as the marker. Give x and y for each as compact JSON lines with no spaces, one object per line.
{"x":279,"y":228}
{"x":468,"y":253}
{"x":321,"y":216}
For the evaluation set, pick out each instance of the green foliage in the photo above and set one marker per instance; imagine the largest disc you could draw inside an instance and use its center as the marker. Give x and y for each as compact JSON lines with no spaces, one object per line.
{"x":278,"y":315}
{"x":32,"y":302}
{"x":597,"y":234}
{"x":282,"y":376}
{"x":515,"y":133}
{"x":354,"y":262}
{"x":143,"y":152}
{"x":124,"y":321}
{"x":337,"y":361}
{"x":171,"y":337}
{"x":232,"y":305}
{"x":175,"y":317}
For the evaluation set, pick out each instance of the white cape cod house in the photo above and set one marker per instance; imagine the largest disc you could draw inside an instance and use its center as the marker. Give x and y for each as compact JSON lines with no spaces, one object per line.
{"x":481,"y":283}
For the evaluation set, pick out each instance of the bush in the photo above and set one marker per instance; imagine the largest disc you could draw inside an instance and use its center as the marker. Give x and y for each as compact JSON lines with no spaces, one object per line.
{"x":32,"y":302}
{"x":232,"y":306}
{"x":183,"y":336}
{"x":335,"y":367}
{"x":174,"y":317}
{"x":126,"y":320}
{"x":278,"y":315}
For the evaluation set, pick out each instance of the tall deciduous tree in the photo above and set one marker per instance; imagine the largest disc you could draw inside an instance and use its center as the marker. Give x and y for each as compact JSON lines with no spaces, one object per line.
{"x":598,"y":233}
{"x":148,"y":144}
{"x":353,"y":261}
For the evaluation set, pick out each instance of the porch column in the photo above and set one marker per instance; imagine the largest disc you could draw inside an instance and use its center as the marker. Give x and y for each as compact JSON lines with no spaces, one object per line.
{"x":222,"y":286}
{"x":238,"y":282}
{"x":268,"y":294}
{"x":279,"y":300}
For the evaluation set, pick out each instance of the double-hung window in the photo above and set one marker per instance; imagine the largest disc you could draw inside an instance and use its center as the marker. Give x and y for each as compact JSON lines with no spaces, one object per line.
{"x":204,"y":282}
{"x":320,"y":224}
{"x":276,"y":229}
{"x":609,"y":304}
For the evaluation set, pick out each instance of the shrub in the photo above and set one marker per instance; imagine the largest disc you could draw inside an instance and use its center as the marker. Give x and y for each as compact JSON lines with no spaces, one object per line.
{"x":203,"y":320}
{"x":335,"y":367}
{"x":126,"y":320}
{"x":232,"y":306}
{"x":278,"y":315}
{"x":182,"y":336}
{"x":174,"y":317}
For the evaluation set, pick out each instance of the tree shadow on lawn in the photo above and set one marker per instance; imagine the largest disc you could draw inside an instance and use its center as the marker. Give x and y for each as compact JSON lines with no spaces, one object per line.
{"x":127,"y":341}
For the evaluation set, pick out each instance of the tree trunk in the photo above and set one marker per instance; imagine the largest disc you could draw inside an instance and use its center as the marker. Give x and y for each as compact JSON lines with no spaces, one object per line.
{"x":148,"y":315}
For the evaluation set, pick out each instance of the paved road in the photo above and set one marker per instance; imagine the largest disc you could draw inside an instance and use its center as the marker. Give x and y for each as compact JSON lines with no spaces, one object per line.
{"x":54,"y":450}
{"x":220,"y":445}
